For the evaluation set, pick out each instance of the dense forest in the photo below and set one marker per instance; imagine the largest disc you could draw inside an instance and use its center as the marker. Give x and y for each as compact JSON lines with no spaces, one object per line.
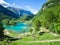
{"x":49,"y":16}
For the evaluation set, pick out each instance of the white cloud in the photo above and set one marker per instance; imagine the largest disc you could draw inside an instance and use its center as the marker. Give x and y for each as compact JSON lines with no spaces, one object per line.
{"x":2,"y":1}
{"x":31,"y":9}
{"x":5,"y":4}
{"x":13,"y":4}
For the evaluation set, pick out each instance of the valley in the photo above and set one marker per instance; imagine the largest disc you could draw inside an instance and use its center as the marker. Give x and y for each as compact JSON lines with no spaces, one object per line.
{"x":22,"y":27}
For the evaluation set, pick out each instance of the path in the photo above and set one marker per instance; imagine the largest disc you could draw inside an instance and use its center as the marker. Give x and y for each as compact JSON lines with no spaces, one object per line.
{"x":54,"y":34}
{"x":44,"y":41}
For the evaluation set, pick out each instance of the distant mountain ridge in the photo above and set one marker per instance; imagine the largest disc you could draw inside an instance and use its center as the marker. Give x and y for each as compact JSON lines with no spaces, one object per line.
{"x":7,"y":12}
{"x":13,"y":12}
{"x":19,"y":11}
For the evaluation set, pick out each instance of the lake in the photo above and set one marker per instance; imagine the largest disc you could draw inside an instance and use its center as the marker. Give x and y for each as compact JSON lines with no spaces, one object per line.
{"x":19,"y":27}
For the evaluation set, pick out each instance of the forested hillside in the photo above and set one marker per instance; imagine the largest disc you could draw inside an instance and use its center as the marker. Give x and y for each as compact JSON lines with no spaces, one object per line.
{"x":49,"y":16}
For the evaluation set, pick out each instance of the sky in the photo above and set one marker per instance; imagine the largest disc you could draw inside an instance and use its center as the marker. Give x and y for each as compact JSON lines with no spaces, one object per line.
{"x":31,"y":5}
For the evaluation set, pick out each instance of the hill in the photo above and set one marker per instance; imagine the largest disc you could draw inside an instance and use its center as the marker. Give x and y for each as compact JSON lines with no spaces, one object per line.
{"x":49,"y":16}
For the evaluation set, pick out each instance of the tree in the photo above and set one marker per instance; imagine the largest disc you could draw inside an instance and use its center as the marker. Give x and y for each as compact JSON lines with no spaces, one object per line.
{"x":12,"y":22}
{"x":31,"y":30}
{"x":37,"y":25}
{"x":1,"y":31}
{"x":5,"y":21}
{"x":56,"y":28}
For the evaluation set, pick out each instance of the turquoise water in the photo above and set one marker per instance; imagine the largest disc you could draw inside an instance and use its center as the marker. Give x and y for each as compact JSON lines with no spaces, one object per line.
{"x":19,"y":27}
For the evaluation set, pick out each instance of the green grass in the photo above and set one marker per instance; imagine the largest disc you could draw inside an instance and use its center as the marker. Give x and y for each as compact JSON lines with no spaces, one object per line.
{"x":13,"y":34}
{"x":25,"y":43}
{"x":46,"y":43}
{"x":26,"y":39}
{"x":45,"y":36}
{"x":48,"y":36}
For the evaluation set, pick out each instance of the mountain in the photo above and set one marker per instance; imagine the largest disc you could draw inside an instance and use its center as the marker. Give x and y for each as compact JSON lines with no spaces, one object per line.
{"x":19,"y":11}
{"x":13,"y":12}
{"x":4,"y":13}
{"x":49,"y":16}
{"x":7,"y":12}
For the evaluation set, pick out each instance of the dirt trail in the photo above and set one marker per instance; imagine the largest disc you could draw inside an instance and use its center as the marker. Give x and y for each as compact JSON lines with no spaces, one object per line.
{"x":44,"y":41}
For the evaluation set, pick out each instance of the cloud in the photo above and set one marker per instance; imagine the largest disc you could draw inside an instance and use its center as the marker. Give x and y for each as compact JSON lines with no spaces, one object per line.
{"x":31,"y":9}
{"x":5,"y":4}
{"x":2,"y":1}
{"x":14,"y":4}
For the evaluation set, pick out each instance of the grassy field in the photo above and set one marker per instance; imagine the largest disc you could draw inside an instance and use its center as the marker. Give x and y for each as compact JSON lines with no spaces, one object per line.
{"x":50,"y":43}
{"x":45,"y":36}
{"x":25,"y":43}
{"x":25,"y":39}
